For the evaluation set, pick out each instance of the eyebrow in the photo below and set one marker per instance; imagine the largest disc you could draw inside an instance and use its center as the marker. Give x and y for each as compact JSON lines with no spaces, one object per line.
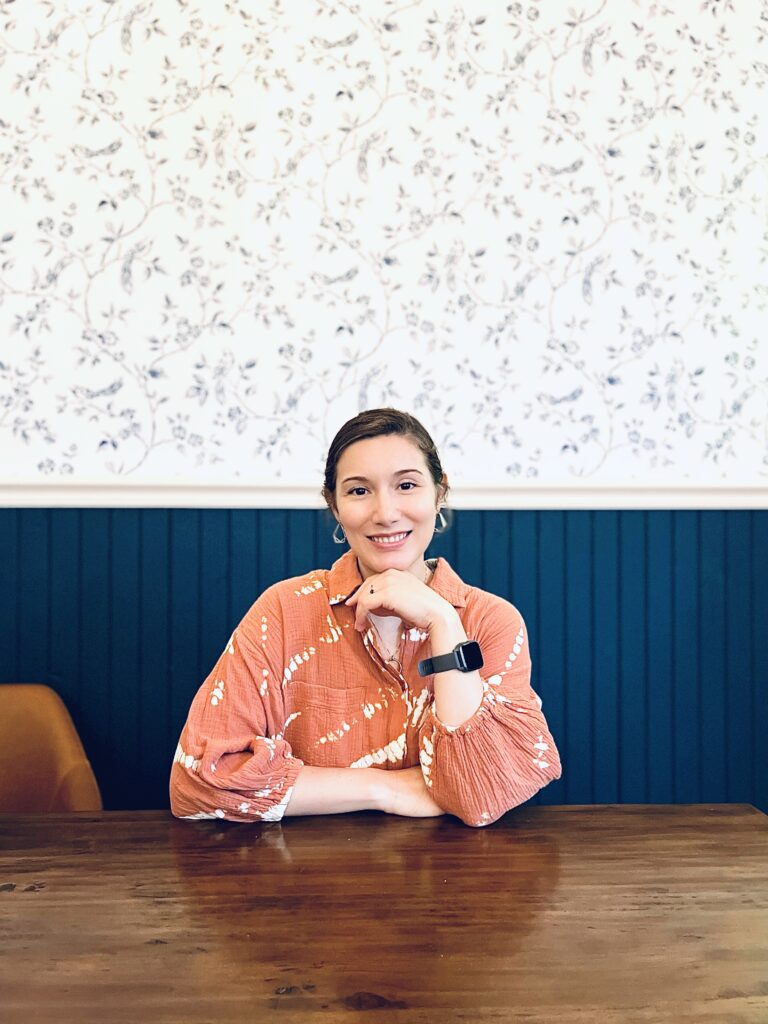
{"x":365,"y":480}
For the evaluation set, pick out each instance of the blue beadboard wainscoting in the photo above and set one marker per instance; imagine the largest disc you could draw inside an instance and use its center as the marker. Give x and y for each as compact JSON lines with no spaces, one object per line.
{"x":648,"y":632}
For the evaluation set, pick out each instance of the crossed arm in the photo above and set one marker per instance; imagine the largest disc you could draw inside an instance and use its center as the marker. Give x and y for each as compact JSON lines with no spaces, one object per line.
{"x":337,"y":790}
{"x":484,"y":744}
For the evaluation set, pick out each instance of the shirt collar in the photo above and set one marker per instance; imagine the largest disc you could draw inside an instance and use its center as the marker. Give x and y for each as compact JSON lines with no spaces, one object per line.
{"x":344,"y":578}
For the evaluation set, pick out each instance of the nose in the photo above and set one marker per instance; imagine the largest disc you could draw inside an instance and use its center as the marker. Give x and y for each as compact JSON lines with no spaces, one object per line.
{"x":386,"y":509}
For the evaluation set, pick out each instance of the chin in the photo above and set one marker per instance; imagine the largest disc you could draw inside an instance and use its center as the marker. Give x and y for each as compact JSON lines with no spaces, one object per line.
{"x":400,"y":560}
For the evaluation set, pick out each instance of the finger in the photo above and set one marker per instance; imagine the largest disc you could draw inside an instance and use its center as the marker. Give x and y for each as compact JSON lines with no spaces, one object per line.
{"x":356,"y":610}
{"x":362,"y":616}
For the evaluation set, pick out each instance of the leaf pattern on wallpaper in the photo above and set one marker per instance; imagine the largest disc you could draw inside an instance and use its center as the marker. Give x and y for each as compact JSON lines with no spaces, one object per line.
{"x":542,"y":228}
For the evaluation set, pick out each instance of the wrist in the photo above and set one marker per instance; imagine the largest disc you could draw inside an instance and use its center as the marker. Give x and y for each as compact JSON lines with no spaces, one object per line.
{"x":445,"y":621}
{"x":445,"y":633}
{"x":379,"y":790}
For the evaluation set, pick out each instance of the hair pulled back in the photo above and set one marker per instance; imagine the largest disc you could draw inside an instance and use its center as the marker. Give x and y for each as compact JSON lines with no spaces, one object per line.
{"x":378,"y":423}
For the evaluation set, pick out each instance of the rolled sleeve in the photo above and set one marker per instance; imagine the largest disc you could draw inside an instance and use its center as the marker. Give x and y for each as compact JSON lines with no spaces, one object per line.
{"x":504,"y":754}
{"x":232,"y":760}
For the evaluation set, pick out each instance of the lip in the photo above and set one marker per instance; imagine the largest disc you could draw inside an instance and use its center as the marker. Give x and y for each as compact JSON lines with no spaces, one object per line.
{"x":388,"y":545}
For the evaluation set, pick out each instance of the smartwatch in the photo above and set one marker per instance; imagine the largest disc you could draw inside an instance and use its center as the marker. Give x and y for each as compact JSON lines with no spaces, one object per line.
{"x":465,"y":657}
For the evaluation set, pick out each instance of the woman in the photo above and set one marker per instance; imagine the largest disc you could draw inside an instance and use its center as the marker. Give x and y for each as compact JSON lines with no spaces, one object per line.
{"x":382,"y":683}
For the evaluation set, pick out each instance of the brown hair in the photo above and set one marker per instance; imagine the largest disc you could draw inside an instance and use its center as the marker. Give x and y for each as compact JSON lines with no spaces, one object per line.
{"x":377,"y":423}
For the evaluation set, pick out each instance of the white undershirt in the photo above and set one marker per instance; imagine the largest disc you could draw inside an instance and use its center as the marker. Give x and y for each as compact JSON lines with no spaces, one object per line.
{"x":389,"y":628}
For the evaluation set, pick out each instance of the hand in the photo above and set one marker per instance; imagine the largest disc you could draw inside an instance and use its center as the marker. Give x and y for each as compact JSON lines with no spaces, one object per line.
{"x":397,"y":592}
{"x":404,"y":792}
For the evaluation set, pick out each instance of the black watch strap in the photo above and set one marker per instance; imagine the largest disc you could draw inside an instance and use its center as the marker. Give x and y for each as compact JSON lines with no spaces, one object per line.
{"x":466,"y":657}
{"x":442,"y":663}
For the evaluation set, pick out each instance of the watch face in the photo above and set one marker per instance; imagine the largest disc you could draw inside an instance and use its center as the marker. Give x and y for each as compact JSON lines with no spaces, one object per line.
{"x":470,"y":656}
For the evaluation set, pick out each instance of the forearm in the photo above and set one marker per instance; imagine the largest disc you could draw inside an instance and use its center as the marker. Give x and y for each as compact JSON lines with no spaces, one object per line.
{"x":457,"y":694}
{"x":339,"y":790}
{"x":335,"y":791}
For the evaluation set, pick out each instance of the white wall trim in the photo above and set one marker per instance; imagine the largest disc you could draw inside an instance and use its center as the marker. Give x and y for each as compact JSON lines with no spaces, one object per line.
{"x":55,"y":495}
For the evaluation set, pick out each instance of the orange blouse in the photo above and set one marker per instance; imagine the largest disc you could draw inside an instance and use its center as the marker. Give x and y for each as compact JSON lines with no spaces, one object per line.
{"x":297,"y":684}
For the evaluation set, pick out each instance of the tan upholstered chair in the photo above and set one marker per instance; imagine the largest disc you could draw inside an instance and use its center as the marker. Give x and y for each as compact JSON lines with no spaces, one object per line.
{"x":43,"y":766}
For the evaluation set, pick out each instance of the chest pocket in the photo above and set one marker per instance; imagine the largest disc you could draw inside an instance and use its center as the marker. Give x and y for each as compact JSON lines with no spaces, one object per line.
{"x":329,"y":725}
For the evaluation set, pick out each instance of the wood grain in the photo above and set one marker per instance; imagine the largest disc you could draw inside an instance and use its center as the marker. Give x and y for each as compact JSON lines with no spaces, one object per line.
{"x":571,"y":914}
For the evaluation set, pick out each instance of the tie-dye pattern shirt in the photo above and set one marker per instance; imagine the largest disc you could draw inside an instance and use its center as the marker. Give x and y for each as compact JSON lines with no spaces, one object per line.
{"x":297,"y":684}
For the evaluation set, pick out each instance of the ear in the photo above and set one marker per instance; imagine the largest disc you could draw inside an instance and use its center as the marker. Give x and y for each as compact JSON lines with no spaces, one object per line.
{"x":330,"y":501}
{"x":442,"y":490}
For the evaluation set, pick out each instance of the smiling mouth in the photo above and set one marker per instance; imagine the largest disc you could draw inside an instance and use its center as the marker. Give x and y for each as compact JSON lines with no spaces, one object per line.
{"x":389,"y":538}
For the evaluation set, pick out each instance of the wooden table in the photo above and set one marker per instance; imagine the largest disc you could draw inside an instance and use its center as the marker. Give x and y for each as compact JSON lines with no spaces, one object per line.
{"x":568,"y":914}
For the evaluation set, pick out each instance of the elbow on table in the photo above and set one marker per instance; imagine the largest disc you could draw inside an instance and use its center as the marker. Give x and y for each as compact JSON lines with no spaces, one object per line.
{"x":498,"y":804}
{"x":177,"y":809}
{"x":183,"y":805}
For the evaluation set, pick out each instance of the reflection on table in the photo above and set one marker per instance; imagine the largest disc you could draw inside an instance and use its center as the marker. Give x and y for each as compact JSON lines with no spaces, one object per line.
{"x":613,"y":913}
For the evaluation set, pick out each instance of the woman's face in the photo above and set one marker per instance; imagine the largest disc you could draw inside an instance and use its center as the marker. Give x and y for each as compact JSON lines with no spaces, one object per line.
{"x":386,"y":501}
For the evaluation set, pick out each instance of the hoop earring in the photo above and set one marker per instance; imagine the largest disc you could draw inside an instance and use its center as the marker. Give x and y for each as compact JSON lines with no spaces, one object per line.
{"x":443,"y":524}
{"x":336,"y":539}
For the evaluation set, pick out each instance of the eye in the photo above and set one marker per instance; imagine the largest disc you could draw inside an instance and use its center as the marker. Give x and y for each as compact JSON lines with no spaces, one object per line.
{"x":410,"y":484}
{"x":357,"y":491}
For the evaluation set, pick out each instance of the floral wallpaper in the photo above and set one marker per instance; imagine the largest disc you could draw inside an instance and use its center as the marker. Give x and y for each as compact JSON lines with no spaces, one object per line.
{"x":224,"y":229}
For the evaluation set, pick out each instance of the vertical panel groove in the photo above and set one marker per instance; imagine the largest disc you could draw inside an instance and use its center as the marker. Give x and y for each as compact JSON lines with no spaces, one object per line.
{"x":199,"y":587}
{"x":566,"y":717}
{"x":228,"y":559}
{"x":169,"y":524}
{"x":80,"y":607}
{"x":537,"y":544}
{"x":593,"y":659}
{"x":140,"y":638}
{"x":752,"y":663}
{"x":699,"y":687}
{"x":725,"y":721}
{"x":110,"y":606}
{"x":484,"y":549}
{"x":619,"y":664}
{"x":672,"y":576}
{"x":18,"y":674}
{"x":646,"y":659}
{"x":49,"y":603}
